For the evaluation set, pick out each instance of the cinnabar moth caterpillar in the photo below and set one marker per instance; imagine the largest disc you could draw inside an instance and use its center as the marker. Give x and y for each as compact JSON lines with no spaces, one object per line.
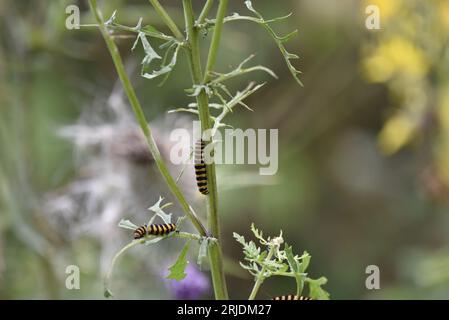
{"x":154,"y":229}
{"x":200,"y":167}
{"x":291,"y":297}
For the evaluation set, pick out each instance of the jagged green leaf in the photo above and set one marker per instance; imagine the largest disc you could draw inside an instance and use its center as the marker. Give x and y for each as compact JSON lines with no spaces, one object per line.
{"x":197,"y":88}
{"x":305,"y":260}
{"x":126,"y":224}
{"x":240,"y":70}
{"x":112,"y":19}
{"x":240,"y":239}
{"x":107,"y":293}
{"x":149,"y":29}
{"x":278,"y":39}
{"x":258,"y":234}
{"x":183,"y":110}
{"x":150,"y":54}
{"x":159,"y":212}
{"x":315,"y":290}
{"x":177,"y":270}
{"x":294,"y":267}
{"x":165,"y":69}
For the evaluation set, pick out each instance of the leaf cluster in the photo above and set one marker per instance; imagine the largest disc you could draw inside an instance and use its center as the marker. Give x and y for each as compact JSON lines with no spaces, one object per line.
{"x":272,"y":257}
{"x":215,"y":88}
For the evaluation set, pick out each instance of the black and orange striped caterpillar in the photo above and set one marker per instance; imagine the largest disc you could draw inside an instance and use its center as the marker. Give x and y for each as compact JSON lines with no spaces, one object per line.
{"x":291,"y":297}
{"x":200,"y":167}
{"x":154,"y":229}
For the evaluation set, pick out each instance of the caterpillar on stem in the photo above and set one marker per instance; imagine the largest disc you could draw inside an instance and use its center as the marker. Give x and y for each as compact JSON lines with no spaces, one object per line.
{"x":154,"y":229}
{"x":200,"y":167}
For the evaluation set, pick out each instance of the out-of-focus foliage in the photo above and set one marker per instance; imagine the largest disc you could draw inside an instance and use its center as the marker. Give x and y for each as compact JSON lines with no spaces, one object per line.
{"x":412,"y":59}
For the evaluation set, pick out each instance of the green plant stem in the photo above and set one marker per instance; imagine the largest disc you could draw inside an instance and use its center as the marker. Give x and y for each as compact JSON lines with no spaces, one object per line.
{"x":213,"y":50}
{"x":167,"y":19}
{"x":191,"y":236}
{"x":215,"y":253}
{"x":107,"y":278}
{"x":225,"y":77}
{"x":287,"y":274}
{"x":140,"y":116}
{"x":260,"y":277}
{"x":134,"y":30}
{"x":203,"y":15}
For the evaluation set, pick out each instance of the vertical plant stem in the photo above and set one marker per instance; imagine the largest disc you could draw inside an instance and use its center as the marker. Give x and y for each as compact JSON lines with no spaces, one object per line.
{"x":260,"y":277}
{"x":140,"y":116}
{"x":215,"y":253}
{"x":167,"y":19}
{"x":213,"y":50}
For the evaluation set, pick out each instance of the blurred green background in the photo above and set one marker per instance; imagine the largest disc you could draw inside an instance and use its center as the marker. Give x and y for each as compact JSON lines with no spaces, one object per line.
{"x":363,"y":153}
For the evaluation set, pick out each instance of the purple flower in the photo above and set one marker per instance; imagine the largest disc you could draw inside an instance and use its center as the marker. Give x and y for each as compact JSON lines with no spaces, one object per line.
{"x":192,"y":287}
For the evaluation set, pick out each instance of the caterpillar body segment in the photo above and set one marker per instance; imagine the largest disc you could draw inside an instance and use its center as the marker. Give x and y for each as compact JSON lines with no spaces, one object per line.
{"x":291,"y":297}
{"x":154,"y":230}
{"x":200,"y":168}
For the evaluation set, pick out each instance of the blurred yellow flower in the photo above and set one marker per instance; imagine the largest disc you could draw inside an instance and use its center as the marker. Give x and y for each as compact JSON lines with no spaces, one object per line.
{"x":410,"y":44}
{"x":443,"y":12}
{"x":395,"y":55}
{"x":397,"y":131}
{"x":387,"y":8}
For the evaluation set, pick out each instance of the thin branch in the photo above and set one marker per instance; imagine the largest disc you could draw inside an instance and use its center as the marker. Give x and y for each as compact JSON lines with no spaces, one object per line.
{"x":260,"y":277}
{"x":167,"y":19}
{"x":215,"y":254}
{"x":221,"y":77}
{"x":203,"y":15}
{"x":237,"y":99}
{"x":213,"y":50}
